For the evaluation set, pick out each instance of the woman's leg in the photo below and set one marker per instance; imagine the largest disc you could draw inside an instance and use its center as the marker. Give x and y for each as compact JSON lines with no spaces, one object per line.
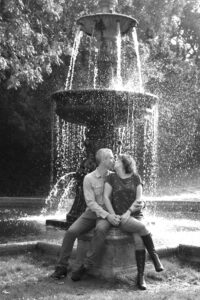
{"x":133,"y":225}
{"x":139,"y":245}
{"x":136,"y":226}
{"x":148,"y":242}
{"x":140,"y":256}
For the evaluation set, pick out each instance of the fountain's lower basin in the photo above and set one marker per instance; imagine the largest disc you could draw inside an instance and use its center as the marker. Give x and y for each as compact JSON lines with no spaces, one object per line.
{"x":25,"y":224}
{"x":171,"y":223}
{"x":97,"y":107}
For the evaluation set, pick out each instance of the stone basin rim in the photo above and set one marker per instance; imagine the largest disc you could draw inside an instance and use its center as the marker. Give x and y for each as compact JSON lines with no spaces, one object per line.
{"x":107,"y":14}
{"x":99,"y":16}
{"x":85,"y":106}
{"x":105,"y":91}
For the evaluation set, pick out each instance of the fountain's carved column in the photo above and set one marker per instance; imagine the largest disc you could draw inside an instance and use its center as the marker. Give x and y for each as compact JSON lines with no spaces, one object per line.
{"x":107,"y":43}
{"x":106,"y":64}
{"x":107,"y":6}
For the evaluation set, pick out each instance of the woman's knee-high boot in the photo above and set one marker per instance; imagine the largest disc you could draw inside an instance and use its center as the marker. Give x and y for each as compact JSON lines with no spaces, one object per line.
{"x":140,"y":256}
{"x":148,"y":242}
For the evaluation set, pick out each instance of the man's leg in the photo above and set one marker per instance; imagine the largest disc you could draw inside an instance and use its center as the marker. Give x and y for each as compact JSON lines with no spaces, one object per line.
{"x":96,"y":248}
{"x":83,"y":224}
{"x":97,"y":242}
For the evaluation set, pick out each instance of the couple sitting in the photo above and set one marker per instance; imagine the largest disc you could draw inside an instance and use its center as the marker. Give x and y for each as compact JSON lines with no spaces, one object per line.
{"x":113,"y":199}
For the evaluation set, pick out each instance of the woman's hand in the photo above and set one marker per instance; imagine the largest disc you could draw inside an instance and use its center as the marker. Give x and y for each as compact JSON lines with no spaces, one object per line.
{"x":126,"y":216}
{"x":138,"y":205}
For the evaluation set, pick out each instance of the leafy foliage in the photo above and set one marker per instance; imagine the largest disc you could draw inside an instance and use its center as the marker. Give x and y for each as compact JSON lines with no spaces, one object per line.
{"x":30,"y":40}
{"x":34,"y":35}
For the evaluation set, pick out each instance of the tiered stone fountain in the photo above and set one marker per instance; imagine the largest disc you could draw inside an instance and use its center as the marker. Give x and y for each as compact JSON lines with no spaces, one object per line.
{"x":105,"y":112}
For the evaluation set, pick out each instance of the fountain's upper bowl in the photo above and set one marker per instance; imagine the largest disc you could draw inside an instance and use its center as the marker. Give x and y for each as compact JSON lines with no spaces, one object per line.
{"x":85,"y":107}
{"x":105,"y":25}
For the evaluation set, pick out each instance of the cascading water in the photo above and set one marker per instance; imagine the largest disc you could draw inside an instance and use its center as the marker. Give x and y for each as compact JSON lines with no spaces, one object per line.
{"x":150,"y":146}
{"x":69,"y":140}
{"x":62,"y":190}
{"x":69,"y":136}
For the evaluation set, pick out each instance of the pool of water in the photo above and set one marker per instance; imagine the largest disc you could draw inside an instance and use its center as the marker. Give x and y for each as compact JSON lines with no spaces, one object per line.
{"x":26,"y":225}
{"x":174,"y":228}
{"x":168,"y":228}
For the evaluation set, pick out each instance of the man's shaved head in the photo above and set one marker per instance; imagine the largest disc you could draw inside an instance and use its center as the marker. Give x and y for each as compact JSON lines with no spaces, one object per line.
{"x":102,"y":154}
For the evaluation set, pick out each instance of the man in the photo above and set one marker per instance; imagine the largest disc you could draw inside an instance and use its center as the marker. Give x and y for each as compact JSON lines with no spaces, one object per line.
{"x":95,"y":216}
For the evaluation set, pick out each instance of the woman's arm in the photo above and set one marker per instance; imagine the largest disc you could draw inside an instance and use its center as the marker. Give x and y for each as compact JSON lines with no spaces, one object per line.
{"x":106,"y":197}
{"x":139,"y":192}
{"x":138,"y":204}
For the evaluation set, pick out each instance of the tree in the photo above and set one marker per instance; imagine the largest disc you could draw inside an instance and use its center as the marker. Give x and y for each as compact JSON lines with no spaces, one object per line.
{"x":34,"y":35}
{"x":30,"y":41}
{"x":174,"y":54}
{"x":169,"y":38}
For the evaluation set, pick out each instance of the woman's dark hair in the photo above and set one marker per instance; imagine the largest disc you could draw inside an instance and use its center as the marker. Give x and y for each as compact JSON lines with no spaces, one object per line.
{"x":129,"y":163}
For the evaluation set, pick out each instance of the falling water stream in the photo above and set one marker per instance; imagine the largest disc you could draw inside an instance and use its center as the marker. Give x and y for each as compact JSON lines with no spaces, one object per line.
{"x":62,"y":190}
{"x":75,"y":49}
{"x":150,"y":140}
{"x":135,"y":39}
{"x":119,"y":60}
{"x":95,"y":68}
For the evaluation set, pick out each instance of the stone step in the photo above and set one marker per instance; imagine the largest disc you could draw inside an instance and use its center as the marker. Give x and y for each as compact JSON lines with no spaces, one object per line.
{"x":25,"y":202}
{"x":62,"y":224}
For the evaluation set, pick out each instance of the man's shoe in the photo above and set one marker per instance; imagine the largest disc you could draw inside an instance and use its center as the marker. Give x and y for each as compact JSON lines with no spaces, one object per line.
{"x":77,"y":275}
{"x":59,"y":273}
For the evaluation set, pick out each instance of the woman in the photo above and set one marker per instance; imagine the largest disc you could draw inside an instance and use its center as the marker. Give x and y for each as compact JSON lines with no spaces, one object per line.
{"x":122,"y":196}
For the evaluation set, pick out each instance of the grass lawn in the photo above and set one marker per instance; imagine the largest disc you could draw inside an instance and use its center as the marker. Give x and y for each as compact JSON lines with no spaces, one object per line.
{"x":27,"y":277}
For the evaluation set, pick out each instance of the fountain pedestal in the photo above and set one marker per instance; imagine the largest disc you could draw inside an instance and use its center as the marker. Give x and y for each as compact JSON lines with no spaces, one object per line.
{"x":118,"y":256}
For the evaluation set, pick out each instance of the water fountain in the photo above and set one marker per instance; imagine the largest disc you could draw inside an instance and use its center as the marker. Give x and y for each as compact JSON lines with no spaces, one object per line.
{"x":104,"y":116}
{"x":107,"y":116}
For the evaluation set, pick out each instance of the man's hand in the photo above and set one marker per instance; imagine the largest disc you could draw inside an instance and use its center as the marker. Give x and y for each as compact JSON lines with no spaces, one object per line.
{"x":114,"y":219}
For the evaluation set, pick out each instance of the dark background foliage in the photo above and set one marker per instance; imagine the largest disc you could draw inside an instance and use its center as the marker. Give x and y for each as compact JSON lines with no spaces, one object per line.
{"x":35,"y":45}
